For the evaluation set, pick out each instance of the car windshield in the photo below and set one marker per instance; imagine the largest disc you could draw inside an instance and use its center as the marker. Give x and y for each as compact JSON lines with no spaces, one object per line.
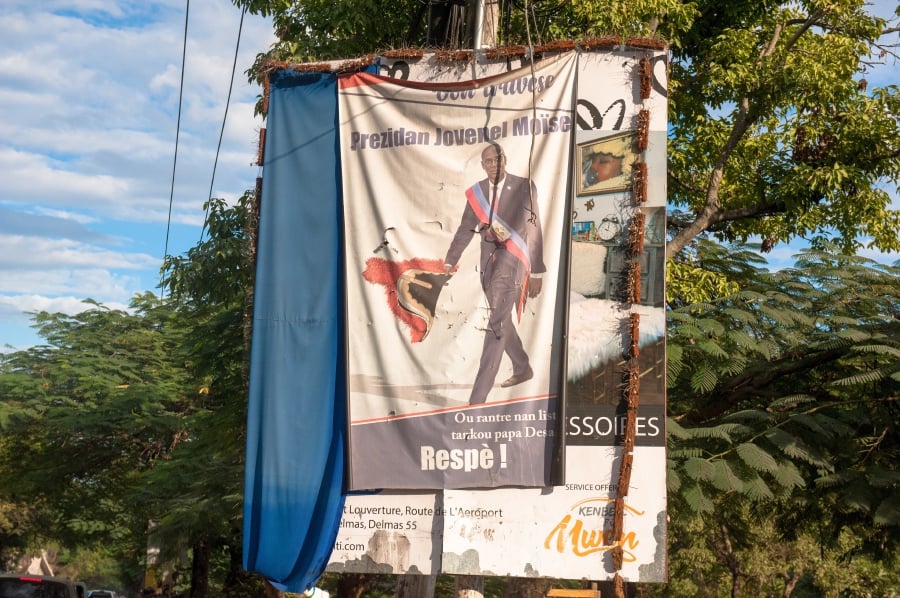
{"x":25,"y":587}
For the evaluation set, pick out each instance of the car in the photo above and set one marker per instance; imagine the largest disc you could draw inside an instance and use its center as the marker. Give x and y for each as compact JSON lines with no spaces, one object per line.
{"x":101,"y":594}
{"x":24,"y":585}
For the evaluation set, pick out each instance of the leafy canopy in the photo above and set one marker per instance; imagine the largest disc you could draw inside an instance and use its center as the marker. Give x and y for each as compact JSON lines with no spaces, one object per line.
{"x":774,"y":132}
{"x":787,"y":392}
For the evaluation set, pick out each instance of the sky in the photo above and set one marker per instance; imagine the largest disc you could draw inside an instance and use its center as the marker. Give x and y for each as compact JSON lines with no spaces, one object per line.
{"x":89,"y":96}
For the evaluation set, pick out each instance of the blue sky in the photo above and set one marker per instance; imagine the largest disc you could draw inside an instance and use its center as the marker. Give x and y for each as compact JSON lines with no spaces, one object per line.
{"x":89,"y":103}
{"x":89,"y":97}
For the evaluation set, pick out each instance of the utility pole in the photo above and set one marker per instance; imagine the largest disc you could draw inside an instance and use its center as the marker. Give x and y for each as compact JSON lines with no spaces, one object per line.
{"x":456,"y":24}
{"x":485,"y":23}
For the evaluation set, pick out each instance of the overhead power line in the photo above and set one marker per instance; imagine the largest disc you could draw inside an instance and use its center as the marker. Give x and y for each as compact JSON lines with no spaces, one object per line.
{"x":187,"y":11}
{"x":212,"y":181}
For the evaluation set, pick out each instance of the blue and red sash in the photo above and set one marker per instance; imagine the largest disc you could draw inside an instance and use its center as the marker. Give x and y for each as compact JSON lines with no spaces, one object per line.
{"x":515,"y":244}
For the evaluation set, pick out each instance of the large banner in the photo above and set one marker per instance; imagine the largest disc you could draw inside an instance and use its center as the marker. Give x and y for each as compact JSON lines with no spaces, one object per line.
{"x":589,"y":526}
{"x":456,"y":218}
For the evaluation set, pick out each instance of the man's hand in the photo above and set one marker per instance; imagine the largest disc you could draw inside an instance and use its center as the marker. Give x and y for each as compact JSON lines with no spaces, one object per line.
{"x":448,"y":269}
{"x":534,"y":287}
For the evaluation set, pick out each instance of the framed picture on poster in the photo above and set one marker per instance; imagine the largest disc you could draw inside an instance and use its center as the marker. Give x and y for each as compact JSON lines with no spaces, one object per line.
{"x":605,"y":163}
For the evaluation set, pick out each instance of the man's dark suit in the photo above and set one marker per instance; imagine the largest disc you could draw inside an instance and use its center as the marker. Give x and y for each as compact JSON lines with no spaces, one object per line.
{"x":505,"y":268}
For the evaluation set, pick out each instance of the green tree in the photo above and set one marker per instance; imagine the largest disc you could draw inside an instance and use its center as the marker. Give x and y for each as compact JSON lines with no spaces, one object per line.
{"x":785,"y":401}
{"x":125,"y":423}
{"x":200,"y":490}
{"x":83,"y":416}
{"x":15,"y":523}
{"x":774,"y":131}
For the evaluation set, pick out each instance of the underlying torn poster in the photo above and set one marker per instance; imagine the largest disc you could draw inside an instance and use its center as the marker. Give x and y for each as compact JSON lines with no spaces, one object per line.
{"x":456,"y":218}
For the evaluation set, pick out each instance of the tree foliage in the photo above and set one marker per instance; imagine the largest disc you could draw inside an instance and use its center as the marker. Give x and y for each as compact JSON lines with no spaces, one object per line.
{"x":774,"y":131}
{"x":200,"y":491}
{"x":125,"y":422}
{"x":779,"y":135}
{"x":84,"y":416}
{"x":785,"y":398}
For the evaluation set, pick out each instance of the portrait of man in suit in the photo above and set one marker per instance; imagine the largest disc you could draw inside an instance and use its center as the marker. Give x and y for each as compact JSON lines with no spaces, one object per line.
{"x":502,"y":211}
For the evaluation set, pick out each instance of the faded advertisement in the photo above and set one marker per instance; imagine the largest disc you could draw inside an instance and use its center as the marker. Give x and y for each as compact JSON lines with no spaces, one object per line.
{"x":390,"y":532}
{"x":562,"y":532}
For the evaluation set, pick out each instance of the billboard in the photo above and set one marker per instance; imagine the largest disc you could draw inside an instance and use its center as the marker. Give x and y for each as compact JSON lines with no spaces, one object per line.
{"x":398,"y":301}
{"x":607,"y":518}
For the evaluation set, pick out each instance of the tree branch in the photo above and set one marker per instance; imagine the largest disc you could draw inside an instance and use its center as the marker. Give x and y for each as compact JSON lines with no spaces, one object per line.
{"x":810,"y":21}
{"x":712,"y":210}
{"x":757,"y":382}
{"x":757,"y":209}
{"x":685,"y":185}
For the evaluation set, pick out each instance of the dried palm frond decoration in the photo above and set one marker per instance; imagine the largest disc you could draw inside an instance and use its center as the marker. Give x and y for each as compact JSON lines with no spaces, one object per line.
{"x":633,"y":282}
{"x":635,"y":239}
{"x":451,"y":56}
{"x":625,"y":474}
{"x":645,"y":73}
{"x":639,"y":181}
{"x":261,"y":150}
{"x":634,"y":384}
{"x":643,"y":129}
{"x":404,"y":54}
{"x":634,"y":333}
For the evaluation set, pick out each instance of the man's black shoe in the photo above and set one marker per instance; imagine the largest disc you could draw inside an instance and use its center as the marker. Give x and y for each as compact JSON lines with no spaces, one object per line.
{"x":518,"y":378}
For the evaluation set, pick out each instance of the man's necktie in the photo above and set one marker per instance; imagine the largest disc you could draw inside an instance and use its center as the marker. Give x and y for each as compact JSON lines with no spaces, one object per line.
{"x":495,"y":203}
{"x":494,"y":195}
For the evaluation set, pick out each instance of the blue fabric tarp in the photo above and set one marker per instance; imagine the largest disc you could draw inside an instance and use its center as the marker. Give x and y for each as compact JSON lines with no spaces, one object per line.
{"x":296,"y":417}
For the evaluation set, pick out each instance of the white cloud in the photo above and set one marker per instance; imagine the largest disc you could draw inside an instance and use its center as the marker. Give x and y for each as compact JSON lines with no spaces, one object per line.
{"x":89,"y":95}
{"x":66,"y":305}
{"x":45,"y":253}
{"x":64,"y":215}
{"x":108,"y":101}
{"x":28,"y":173}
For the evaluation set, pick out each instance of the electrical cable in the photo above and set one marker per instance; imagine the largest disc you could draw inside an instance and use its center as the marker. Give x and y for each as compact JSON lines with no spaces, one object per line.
{"x":187,"y":12}
{"x":533,"y":102}
{"x":212,"y":181}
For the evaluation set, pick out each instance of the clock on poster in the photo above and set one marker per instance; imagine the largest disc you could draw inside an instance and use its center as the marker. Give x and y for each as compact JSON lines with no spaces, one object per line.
{"x":608,"y":228}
